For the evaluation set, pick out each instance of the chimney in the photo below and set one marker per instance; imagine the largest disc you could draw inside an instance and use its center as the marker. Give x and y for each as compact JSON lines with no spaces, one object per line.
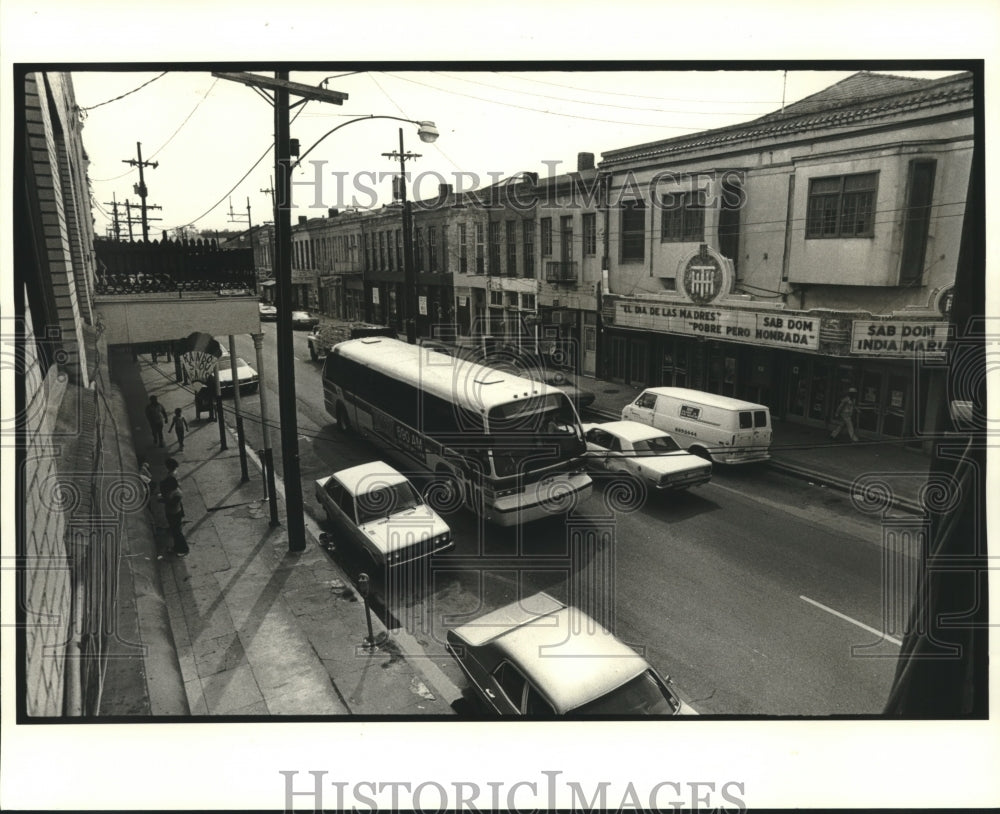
{"x":333,"y":212}
{"x":303,"y":219}
{"x":584,"y":161}
{"x":444,"y":190}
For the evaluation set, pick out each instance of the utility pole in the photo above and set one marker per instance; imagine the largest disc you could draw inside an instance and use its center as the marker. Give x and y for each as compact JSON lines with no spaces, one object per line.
{"x":145,"y":218}
{"x":409,"y":275}
{"x":114,"y":204}
{"x":128,"y":211}
{"x":140,"y":188}
{"x":287,"y":402}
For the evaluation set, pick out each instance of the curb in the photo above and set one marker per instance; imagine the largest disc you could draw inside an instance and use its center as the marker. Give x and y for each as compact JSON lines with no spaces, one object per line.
{"x":411,"y":650}
{"x":841,"y":484}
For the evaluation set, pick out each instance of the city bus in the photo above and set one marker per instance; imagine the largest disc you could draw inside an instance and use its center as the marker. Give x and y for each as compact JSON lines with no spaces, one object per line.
{"x":505,"y":446}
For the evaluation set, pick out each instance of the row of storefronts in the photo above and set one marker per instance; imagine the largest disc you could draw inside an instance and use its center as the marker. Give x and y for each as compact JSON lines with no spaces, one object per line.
{"x":800,"y":364}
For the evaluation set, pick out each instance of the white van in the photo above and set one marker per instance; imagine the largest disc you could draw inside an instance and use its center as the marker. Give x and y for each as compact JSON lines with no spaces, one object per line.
{"x":722,"y":429}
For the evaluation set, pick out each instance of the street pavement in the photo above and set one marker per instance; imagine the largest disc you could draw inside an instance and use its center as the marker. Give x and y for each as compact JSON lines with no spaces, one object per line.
{"x":258,"y":630}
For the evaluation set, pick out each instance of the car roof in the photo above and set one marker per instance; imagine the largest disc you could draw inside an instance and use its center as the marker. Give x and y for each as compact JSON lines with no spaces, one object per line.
{"x":708,"y":399}
{"x":630,"y":430}
{"x":368,"y":475}
{"x":567,"y":655}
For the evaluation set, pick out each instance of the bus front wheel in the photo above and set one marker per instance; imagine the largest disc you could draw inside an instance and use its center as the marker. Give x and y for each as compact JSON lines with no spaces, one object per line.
{"x":342,"y":423}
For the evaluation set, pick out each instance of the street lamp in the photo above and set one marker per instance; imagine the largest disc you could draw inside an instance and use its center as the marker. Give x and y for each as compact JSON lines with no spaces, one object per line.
{"x":428,"y":133}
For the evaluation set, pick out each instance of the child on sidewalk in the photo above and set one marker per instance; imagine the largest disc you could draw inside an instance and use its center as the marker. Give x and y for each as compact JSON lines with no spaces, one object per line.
{"x":179,"y":425}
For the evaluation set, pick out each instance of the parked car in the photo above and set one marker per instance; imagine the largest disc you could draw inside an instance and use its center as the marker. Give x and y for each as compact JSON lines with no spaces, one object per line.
{"x":644,"y":452}
{"x":246,"y":375}
{"x":378,"y":510}
{"x":304,"y":321}
{"x":268,"y":313}
{"x":540,"y":657}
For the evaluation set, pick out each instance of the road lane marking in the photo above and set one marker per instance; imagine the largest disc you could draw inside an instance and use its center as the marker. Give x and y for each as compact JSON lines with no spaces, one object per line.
{"x":846,"y":618}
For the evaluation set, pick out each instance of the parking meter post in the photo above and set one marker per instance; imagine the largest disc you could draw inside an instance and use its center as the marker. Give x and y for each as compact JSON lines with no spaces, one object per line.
{"x":364,"y":585}
{"x":240,"y":438}
{"x":218,"y":411}
{"x":267,"y":457}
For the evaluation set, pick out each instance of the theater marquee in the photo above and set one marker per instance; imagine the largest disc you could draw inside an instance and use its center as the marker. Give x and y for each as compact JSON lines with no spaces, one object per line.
{"x":774,"y":330}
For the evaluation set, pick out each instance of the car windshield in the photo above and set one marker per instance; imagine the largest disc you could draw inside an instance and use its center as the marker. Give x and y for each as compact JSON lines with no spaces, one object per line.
{"x":643,"y":695}
{"x":655,"y":446}
{"x":386,"y":500}
{"x":532,"y":434}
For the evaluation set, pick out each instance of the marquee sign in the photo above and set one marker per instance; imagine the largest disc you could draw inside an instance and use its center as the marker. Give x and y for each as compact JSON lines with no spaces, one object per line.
{"x":775,"y":330}
{"x":898,"y":337}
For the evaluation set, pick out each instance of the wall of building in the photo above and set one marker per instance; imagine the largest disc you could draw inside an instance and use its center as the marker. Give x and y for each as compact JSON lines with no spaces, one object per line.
{"x":47,"y":576}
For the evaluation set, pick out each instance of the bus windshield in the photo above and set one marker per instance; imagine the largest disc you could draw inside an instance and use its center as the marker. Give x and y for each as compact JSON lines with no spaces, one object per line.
{"x":531,"y":434}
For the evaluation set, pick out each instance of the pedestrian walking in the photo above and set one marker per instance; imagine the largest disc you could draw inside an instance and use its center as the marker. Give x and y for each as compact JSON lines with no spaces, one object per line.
{"x":178,"y":426}
{"x":157,"y":417}
{"x":844,"y":413}
{"x":173,"y":508}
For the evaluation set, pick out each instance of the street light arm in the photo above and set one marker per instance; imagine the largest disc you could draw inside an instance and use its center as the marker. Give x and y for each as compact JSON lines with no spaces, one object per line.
{"x":352,"y":121}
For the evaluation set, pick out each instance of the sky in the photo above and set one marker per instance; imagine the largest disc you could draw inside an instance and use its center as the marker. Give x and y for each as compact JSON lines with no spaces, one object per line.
{"x":206,"y":133}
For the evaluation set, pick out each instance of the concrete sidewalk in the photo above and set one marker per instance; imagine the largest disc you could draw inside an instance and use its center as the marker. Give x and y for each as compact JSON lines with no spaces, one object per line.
{"x":259,"y":630}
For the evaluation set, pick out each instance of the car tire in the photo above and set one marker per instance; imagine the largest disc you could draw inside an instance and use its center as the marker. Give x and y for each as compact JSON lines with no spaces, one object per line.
{"x":701,"y":452}
{"x":343,"y":423}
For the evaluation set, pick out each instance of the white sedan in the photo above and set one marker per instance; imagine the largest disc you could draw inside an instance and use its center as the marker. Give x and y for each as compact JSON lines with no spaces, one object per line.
{"x":247,"y":375}
{"x":378,"y":510}
{"x":644,"y":452}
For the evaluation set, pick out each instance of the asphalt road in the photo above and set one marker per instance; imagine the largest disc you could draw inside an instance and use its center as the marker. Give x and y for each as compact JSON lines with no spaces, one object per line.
{"x":757,"y":593}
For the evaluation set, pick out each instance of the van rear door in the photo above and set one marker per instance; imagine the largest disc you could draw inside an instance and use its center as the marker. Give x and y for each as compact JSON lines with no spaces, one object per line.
{"x":754,"y":430}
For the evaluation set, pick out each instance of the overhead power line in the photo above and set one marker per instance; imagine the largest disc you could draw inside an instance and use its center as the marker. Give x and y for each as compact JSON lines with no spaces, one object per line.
{"x":604,"y":104}
{"x":537,"y":110}
{"x":516,"y":75}
{"x":109,"y":101}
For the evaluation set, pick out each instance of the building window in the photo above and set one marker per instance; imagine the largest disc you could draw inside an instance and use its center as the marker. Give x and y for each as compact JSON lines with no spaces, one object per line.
{"x":546,"y":237}
{"x":589,"y":234}
{"x":917,"y":221}
{"x":633,"y":230}
{"x":432,"y":254}
{"x":683,"y":218}
{"x":496,"y":298}
{"x":381,"y":251}
{"x":528,"y":302}
{"x":390,"y":250}
{"x":510,"y":229}
{"x":566,"y":238}
{"x":399,"y":246}
{"x":528,"y":239}
{"x":842,"y":206}
{"x":494,"y":248}
{"x":480,"y":250}
{"x":368,"y":252}
{"x":418,"y":248}
{"x":463,"y":258}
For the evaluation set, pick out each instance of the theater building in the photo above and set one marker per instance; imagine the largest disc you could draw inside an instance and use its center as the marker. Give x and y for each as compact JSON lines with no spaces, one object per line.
{"x":789,"y":258}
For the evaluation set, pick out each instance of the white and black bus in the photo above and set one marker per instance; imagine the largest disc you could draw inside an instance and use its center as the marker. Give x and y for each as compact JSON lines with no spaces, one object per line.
{"x":506,"y":446}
